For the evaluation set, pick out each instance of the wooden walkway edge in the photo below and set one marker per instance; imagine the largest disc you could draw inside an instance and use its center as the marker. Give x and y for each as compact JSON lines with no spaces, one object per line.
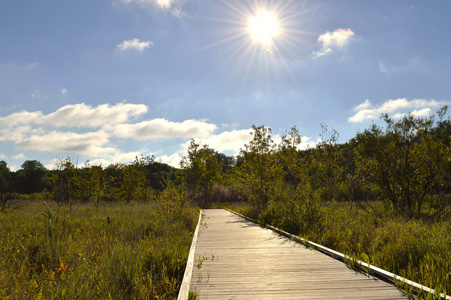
{"x":236,"y":259}
{"x":184,"y":288}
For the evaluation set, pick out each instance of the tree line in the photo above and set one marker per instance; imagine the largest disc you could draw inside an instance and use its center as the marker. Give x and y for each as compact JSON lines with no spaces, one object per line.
{"x":406,"y":164}
{"x":70,"y":183}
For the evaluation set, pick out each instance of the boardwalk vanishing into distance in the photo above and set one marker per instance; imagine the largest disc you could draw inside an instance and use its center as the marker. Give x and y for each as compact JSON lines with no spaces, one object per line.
{"x":236,"y":259}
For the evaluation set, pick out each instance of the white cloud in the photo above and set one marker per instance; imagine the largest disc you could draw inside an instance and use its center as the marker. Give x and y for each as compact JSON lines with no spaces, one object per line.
{"x":77,"y":115}
{"x":332,"y":40}
{"x":226,"y":141}
{"x":19,"y":156}
{"x":160,"y":3}
{"x":398,"y":108}
{"x":23,"y":117}
{"x":235,"y":140}
{"x":366,"y":104}
{"x":172,"y":160}
{"x":18,"y":133}
{"x":64,"y":91}
{"x":163,"y":129}
{"x":82,"y":115}
{"x":174,"y":6}
{"x":91,"y":143}
{"x":134,"y":44}
{"x":164,"y":3}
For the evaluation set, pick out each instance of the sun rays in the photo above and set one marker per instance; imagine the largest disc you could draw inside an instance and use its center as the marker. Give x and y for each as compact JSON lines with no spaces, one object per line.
{"x":256,"y":40}
{"x":264,"y":27}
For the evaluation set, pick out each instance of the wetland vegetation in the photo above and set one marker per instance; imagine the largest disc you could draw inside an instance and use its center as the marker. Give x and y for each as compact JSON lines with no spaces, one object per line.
{"x":124,"y":231}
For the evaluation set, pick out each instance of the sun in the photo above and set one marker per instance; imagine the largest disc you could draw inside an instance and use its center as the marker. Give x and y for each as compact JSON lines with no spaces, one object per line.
{"x":264,"y":27}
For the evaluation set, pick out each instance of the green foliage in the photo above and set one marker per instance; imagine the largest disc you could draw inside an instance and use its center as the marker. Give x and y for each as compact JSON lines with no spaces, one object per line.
{"x":288,"y":153}
{"x":406,"y":163}
{"x":133,"y":186}
{"x":134,"y":251}
{"x":32,"y":177}
{"x":415,"y":249}
{"x":6,"y":190}
{"x":259,"y":171}
{"x":200,"y":169}
{"x":296,"y":211}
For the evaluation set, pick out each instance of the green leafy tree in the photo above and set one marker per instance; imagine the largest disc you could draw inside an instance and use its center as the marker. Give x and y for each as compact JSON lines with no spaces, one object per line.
{"x":200,"y":170}
{"x":6,"y":185}
{"x":288,"y":153}
{"x":65,"y":181}
{"x":405,"y":161}
{"x":32,"y":177}
{"x":89,"y":183}
{"x":5,"y":177}
{"x":322,"y":166}
{"x":114,"y":176}
{"x":134,"y":183}
{"x":259,"y":170}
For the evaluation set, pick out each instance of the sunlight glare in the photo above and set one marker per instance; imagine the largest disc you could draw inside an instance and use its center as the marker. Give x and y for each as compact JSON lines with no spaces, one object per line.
{"x":263,"y":27}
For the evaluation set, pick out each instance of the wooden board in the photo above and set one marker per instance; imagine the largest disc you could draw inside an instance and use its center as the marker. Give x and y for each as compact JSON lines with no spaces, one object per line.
{"x":236,"y":259}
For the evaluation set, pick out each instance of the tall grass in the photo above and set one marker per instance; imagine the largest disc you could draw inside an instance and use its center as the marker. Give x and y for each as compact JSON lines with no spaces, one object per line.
{"x":118,"y":251}
{"x":417,"y":249}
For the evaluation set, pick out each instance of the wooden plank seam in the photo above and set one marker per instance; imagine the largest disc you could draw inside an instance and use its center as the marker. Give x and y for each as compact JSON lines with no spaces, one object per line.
{"x":184,"y":287}
{"x":372,"y":270}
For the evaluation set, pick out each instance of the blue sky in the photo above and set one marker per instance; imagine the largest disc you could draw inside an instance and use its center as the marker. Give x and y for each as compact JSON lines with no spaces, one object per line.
{"x":111,"y":79}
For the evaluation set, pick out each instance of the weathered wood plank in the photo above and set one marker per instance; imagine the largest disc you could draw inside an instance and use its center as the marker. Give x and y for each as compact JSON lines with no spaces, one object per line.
{"x":236,"y":259}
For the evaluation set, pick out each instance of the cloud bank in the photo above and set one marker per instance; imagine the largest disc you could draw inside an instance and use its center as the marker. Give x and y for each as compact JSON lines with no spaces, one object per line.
{"x":163,"y":129}
{"x":396,"y":108}
{"x":100,"y":133}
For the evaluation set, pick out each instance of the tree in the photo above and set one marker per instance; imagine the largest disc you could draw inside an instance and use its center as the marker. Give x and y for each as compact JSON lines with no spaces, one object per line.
{"x":158,"y":174}
{"x":200,"y":169}
{"x":6,"y":194}
{"x":32,"y":177}
{"x":322,"y":166}
{"x":65,"y":182}
{"x":5,"y":177}
{"x":405,"y":162}
{"x":289,"y":155}
{"x":114,"y":177}
{"x":259,"y":170}
{"x":134,"y":182}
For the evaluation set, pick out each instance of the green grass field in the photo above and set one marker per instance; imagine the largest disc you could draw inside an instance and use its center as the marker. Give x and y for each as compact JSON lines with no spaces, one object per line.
{"x":118,"y":251}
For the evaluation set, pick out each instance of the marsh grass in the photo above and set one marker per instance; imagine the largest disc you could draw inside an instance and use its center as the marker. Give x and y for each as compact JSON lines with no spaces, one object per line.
{"x":417,"y":249}
{"x":118,"y":251}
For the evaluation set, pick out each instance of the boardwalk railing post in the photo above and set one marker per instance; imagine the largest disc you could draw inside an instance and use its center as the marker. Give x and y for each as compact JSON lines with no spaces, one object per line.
{"x":184,"y":287}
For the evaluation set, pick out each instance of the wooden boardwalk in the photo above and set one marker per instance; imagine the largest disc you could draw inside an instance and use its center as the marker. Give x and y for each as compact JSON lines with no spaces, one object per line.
{"x":236,"y":259}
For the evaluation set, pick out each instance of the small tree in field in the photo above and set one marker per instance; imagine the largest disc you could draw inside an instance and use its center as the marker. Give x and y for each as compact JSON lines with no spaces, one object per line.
{"x":134,"y":183}
{"x":259,"y":170}
{"x":405,"y":161}
{"x":200,"y":169}
{"x":288,"y":153}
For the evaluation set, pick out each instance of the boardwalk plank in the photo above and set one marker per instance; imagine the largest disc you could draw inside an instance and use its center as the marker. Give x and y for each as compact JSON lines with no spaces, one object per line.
{"x":236,"y":259}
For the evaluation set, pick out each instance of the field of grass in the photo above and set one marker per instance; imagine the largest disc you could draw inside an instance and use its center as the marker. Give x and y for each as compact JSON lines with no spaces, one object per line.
{"x":118,"y":251}
{"x":417,"y":249}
